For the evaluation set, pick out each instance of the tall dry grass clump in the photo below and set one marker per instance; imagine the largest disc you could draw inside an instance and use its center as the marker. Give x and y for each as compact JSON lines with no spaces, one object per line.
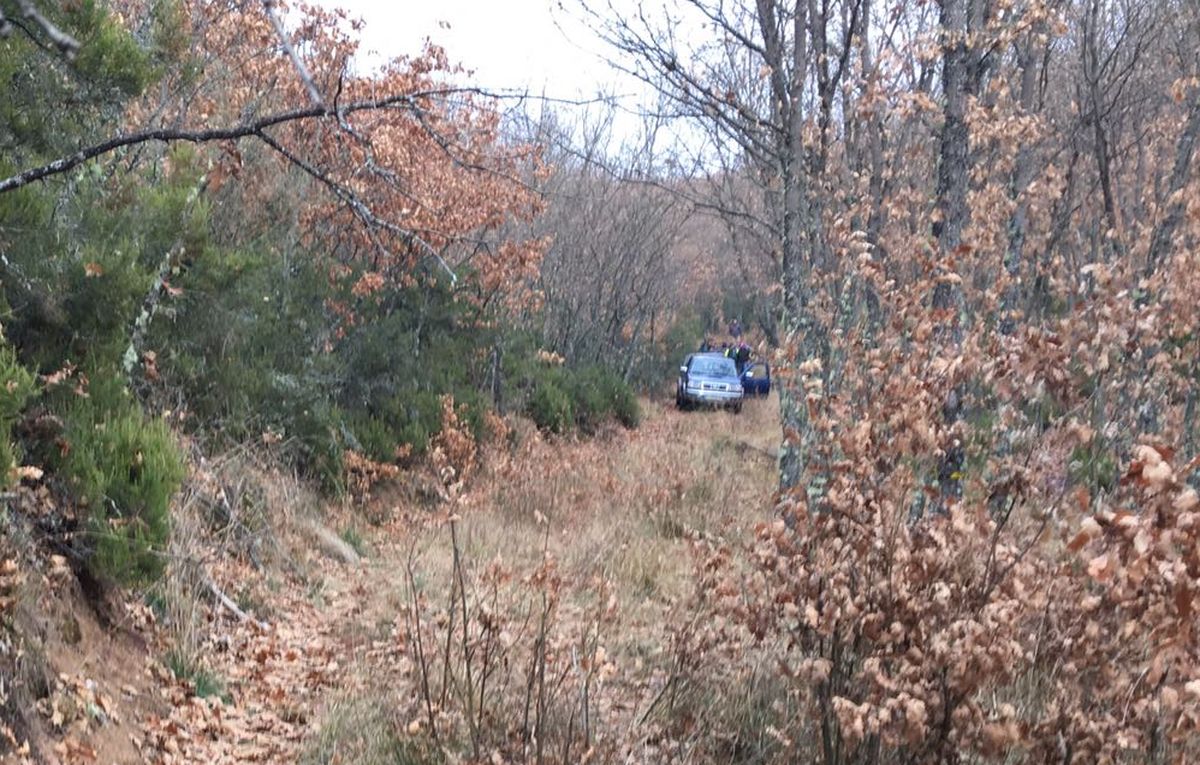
{"x":240,"y":522}
{"x":537,"y":598}
{"x":505,"y":660}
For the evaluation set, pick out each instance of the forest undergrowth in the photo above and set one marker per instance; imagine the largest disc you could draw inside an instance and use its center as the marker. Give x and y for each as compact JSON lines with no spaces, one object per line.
{"x":570,"y":563}
{"x":259,"y":308}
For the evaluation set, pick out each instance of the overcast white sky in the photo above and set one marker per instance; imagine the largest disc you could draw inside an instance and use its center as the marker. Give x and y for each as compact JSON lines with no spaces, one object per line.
{"x":537,"y":46}
{"x":510,"y":44}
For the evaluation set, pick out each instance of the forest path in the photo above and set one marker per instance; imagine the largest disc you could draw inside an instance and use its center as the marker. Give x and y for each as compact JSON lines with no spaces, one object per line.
{"x":618,"y":514}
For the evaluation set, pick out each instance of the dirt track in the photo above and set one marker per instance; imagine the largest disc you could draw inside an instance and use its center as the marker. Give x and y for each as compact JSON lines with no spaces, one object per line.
{"x":617,"y":513}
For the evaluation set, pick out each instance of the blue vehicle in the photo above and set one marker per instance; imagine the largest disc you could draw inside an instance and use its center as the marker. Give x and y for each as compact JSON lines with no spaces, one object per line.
{"x":756,"y":378}
{"x":709,"y":379}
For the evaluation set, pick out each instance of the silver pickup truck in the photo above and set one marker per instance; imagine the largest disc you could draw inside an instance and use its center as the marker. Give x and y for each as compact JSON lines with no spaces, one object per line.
{"x":709,"y":379}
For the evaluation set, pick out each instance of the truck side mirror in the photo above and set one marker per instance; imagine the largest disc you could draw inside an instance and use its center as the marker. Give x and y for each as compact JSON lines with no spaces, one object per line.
{"x":683,"y":370}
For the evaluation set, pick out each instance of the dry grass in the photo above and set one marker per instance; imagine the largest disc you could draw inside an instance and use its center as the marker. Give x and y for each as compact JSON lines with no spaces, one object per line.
{"x":597,"y":535}
{"x":362,"y":731}
{"x":619,"y":516}
{"x":623,"y":506}
{"x":237,"y":528}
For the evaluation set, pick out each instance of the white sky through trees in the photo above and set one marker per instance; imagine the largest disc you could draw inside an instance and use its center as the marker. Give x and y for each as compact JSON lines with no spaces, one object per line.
{"x":532,"y":45}
{"x":539,"y":47}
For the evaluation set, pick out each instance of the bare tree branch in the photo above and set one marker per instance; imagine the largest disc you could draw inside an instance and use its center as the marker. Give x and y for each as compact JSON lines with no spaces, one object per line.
{"x":65,"y":43}
{"x":251,"y":129}
{"x":361,"y":209}
{"x":290,"y":50}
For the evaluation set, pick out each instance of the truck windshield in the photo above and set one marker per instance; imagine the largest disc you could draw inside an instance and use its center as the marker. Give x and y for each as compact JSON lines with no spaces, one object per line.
{"x":713,"y":366}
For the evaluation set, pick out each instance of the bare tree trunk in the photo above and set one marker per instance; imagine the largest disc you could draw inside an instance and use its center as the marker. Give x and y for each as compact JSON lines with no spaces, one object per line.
{"x":953,"y":215}
{"x":954,"y":146}
{"x":797,"y":244}
{"x":498,"y":378}
{"x":818,"y":14}
{"x":1094,"y":119}
{"x":1164,"y":232}
{"x":878,"y":215}
{"x":1023,"y":174}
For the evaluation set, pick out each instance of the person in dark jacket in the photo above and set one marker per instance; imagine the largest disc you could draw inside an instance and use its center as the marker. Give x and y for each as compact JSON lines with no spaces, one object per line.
{"x":741,"y":357}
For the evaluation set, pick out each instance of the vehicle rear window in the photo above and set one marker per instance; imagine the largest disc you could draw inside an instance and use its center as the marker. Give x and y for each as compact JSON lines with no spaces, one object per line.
{"x":714,"y":366}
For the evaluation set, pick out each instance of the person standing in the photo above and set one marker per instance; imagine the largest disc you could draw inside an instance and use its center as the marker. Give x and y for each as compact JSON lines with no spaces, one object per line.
{"x":742,"y":357}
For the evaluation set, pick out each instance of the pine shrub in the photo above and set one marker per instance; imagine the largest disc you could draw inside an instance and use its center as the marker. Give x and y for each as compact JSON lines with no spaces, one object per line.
{"x":125,"y":467}
{"x":550,"y":407}
{"x":598,"y":394}
{"x":16,"y":387}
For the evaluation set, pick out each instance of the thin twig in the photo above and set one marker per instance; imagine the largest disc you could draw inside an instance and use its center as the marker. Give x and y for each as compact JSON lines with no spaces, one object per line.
{"x":465,"y":645}
{"x":422,"y":662}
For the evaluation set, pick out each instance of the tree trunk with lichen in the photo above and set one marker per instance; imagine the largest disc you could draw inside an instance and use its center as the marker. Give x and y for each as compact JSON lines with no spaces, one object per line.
{"x":800,"y":236}
{"x":960,"y":77}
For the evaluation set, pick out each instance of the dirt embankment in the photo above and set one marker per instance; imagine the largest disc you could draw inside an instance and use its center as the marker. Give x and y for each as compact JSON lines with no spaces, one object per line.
{"x":534,"y":611}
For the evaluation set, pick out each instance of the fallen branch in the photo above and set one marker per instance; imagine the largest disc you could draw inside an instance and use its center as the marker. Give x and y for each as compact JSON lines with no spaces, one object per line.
{"x":331,"y":544}
{"x":233,"y":608}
